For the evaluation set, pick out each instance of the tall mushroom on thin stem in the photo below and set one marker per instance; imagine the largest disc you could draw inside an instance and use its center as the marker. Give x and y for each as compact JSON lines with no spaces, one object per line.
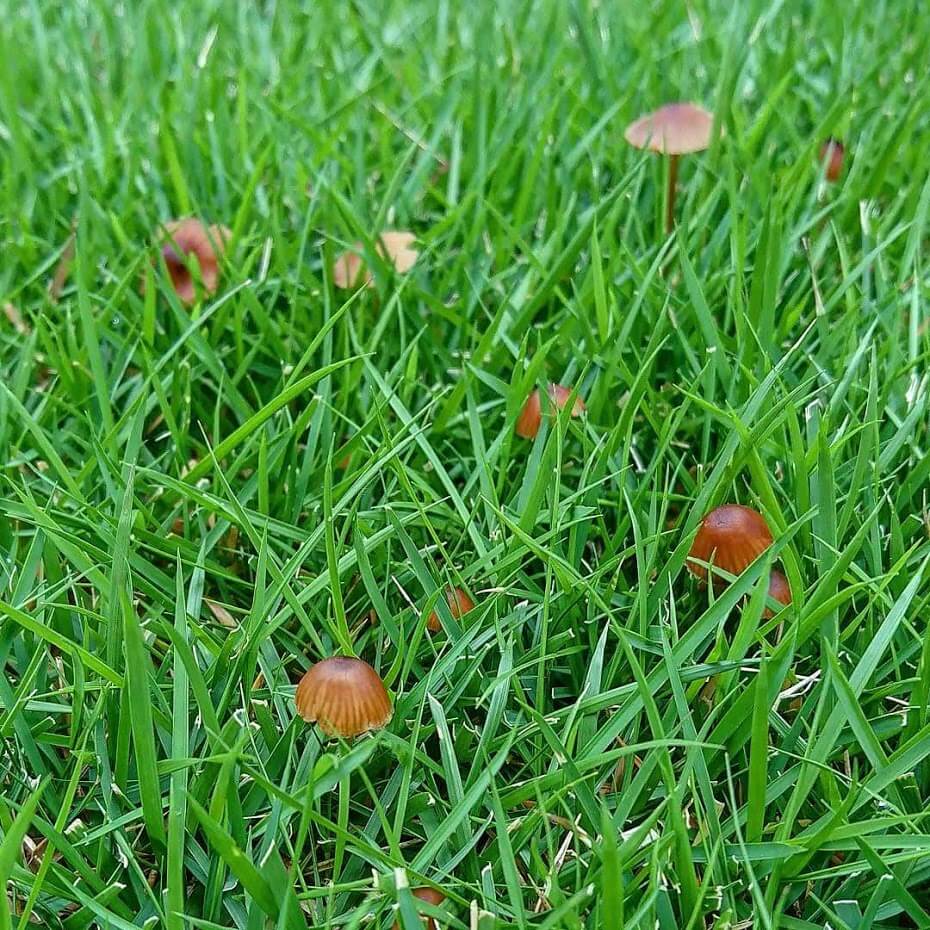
{"x":674,"y":130}
{"x":345,"y":697}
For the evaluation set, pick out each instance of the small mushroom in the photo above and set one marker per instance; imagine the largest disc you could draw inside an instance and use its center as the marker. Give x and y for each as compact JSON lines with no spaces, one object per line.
{"x":675,"y":129}
{"x":344,"y":696}
{"x":183,"y":239}
{"x":831,"y":155}
{"x":394,"y":247}
{"x":11,"y":312}
{"x":459,"y":603}
{"x":429,"y":896}
{"x":530,"y":418}
{"x":730,"y":537}
{"x":779,"y":590}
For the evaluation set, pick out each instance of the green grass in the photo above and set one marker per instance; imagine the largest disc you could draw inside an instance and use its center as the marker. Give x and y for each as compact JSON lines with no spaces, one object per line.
{"x":600,"y":743}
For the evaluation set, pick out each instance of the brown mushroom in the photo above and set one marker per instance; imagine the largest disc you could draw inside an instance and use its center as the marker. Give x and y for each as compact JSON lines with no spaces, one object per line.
{"x":675,"y":129}
{"x":344,"y":696}
{"x":530,"y":418}
{"x":831,"y":156}
{"x":11,"y":312}
{"x":182,"y":240}
{"x":395,"y":247}
{"x":730,"y":537}
{"x":459,"y":603}
{"x":779,"y":590}
{"x":430,"y":896}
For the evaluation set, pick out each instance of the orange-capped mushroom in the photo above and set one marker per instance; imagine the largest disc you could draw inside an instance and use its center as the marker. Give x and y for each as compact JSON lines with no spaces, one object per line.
{"x":779,"y":590}
{"x":345,"y":696}
{"x":730,"y":537}
{"x":530,"y":418}
{"x":187,"y":239}
{"x":459,"y":604}
{"x":429,"y":896}
{"x":832,"y":153}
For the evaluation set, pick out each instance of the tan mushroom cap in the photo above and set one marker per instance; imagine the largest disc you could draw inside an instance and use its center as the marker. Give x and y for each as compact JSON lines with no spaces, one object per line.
{"x":730,"y":537}
{"x":675,"y":129}
{"x":345,"y":696}
{"x":180,"y":239}
{"x":394,"y":246}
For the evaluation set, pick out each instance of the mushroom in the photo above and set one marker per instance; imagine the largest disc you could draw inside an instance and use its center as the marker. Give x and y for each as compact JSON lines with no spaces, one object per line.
{"x":183,"y":239}
{"x":779,"y":590}
{"x":429,"y":896}
{"x":344,"y":696}
{"x":393,"y":246}
{"x":730,"y":537}
{"x":831,"y":155}
{"x":673,"y":130}
{"x":530,"y":418}
{"x":11,"y":312}
{"x":459,"y":603}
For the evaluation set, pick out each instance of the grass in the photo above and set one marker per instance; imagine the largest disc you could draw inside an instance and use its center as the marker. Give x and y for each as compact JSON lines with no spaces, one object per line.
{"x":601,"y":742}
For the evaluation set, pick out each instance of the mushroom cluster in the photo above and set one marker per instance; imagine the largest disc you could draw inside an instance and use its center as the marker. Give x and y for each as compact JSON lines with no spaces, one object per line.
{"x":192,"y":251}
{"x":677,"y":129}
{"x":344,"y":696}
{"x":731,"y":537}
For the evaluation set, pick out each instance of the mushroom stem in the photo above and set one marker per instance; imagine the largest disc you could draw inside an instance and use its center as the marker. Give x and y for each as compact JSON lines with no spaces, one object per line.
{"x":670,"y":199}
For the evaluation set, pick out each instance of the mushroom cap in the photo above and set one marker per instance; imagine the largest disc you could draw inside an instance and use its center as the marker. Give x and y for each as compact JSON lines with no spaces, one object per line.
{"x":344,"y":696}
{"x":779,"y":590}
{"x":832,"y":152}
{"x":186,"y":237}
{"x":675,"y":129}
{"x":459,"y":603}
{"x":430,"y":896}
{"x":730,"y":537}
{"x":346,"y":270}
{"x":397,"y":247}
{"x":394,"y":246}
{"x":530,"y":418}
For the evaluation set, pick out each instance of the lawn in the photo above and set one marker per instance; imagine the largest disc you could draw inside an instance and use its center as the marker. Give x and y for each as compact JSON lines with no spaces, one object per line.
{"x":200,"y":499}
